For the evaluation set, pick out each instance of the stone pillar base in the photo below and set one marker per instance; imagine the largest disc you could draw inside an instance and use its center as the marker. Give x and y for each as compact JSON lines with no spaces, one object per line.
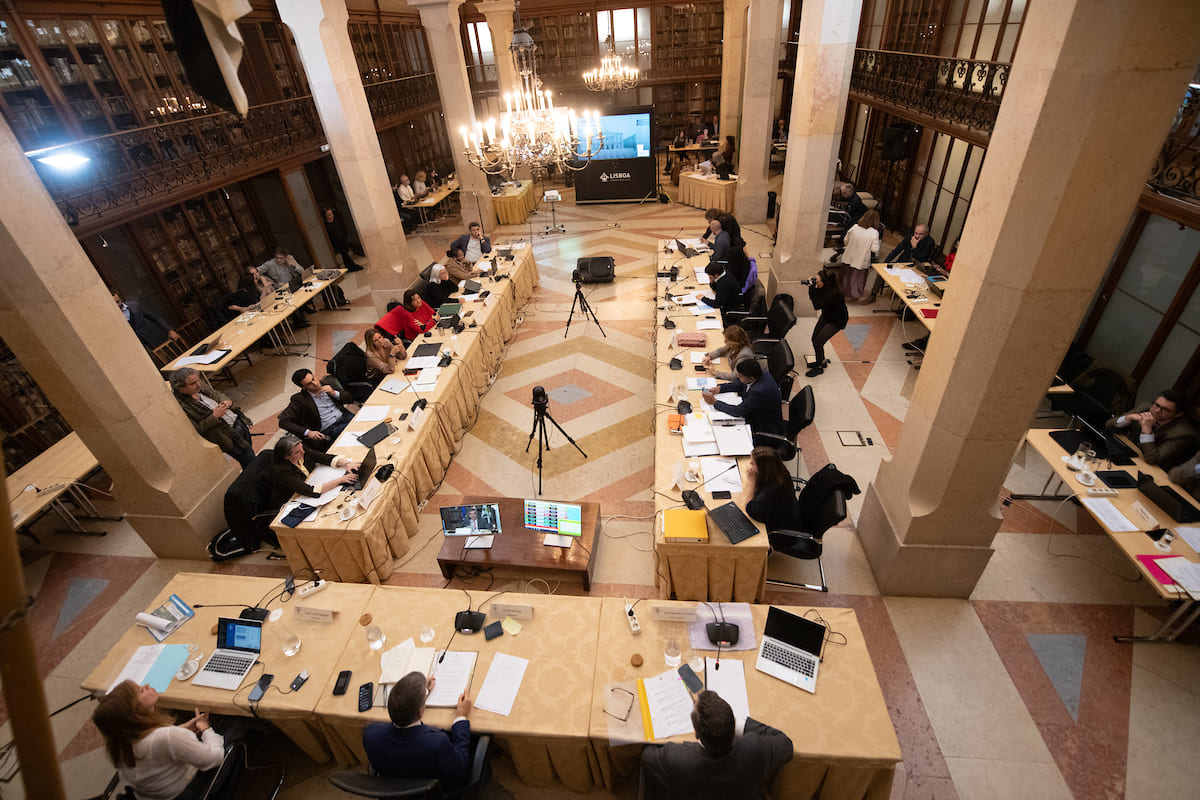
{"x":187,"y":536}
{"x":916,"y":570}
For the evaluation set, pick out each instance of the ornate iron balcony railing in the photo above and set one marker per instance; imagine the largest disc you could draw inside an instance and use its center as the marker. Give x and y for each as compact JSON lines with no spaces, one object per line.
{"x":1176,"y":171}
{"x":960,"y":91}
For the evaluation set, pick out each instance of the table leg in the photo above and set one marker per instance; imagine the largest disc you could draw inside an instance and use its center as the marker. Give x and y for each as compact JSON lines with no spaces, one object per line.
{"x":72,"y":522}
{"x":85,"y":503}
{"x":1168,"y":631}
{"x":1042,"y":495}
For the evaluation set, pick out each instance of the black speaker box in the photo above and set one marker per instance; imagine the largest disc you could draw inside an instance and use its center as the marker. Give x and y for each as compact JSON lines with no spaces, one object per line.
{"x":599,"y":269}
{"x":898,"y":141}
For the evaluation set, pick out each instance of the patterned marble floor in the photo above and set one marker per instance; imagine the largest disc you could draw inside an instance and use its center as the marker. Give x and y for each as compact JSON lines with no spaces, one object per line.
{"x":1019,"y":692}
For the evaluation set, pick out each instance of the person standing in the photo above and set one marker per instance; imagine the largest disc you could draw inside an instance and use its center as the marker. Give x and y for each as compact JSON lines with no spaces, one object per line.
{"x":862,"y":246}
{"x":827,"y":299}
{"x":151,"y":329}
{"x":339,"y":240}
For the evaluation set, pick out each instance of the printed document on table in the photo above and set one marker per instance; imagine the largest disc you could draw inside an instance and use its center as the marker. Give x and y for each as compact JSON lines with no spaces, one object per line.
{"x":503,"y":681}
{"x":319,"y":476}
{"x":348,"y":439}
{"x":708,"y":325}
{"x":701,"y":308}
{"x":1186,"y":574}
{"x":700,"y":384}
{"x":1108,"y":514}
{"x":208,"y":358}
{"x":667,"y":706}
{"x":721,"y":474}
{"x":715,"y":415}
{"x":372,"y":413}
{"x":1191,"y":535}
{"x":402,"y":659}
{"x":697,"y":357}
{"x":453,"y":676}
{"x":729,"y":682}
{"x":733,"y":440}
{"x":697,"y":449}
{"x":153,"y":664}
{"x":421,"y":362}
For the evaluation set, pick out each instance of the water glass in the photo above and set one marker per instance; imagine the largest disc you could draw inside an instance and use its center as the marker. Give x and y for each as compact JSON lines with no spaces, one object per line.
{"x":375,"y":637}
{"x":672,"y":654}
{"x":427,"y":633}
{"x":289,"y":643}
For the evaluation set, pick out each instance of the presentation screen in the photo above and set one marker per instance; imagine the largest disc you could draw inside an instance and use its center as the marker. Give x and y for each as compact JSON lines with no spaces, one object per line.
{"x":623,"y":168}
{"x":626,"y":135}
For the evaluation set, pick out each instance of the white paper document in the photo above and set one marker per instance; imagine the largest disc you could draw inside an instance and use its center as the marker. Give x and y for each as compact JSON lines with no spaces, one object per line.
{"x":453,"y":674}
{"x":697,"y":357}
{"x":686,"y":299}
{"x":1108,"y":514}
{"x":211,"y":357}
{"x":701,"y":308}
{"x":708,"y":325}
{"x":426,"y":380}
{"x":715,"y":415}
{"x":372,"y":413}
{"x":907,"y":275}
{"x":1186,"y":574}
{"x":721,"y":474}
{"x":402,"y":659}
{"x":733,"y":440}
{"x":701,"y":383}
{"x":702,"y":278}
{"x":669,"y":703}
{"x":1191,"y":535}
{"x":348,"y":439}
{"x":482,"y":541}
{"x":421,"y":362}
{"x":503,"y":681}
{"x":697,"y":449}
{"x":698,"y":431}
{"x":729,"y":682}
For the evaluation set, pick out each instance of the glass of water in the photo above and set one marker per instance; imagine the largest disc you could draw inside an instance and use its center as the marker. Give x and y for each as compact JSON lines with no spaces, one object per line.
{"x":427,"y":633}
{"x":289,"y":643}
{"x":672,"y":653}
{"x":375,"y":637}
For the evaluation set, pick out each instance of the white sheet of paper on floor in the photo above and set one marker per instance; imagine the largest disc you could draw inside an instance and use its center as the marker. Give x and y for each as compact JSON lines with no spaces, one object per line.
{"x":503,"y":682}
{"x":372,"y":413}
{"x":721,"y":474}
{"x":708,"y":325}
{"x":729,"y":682}
{"x":1108,"y":514}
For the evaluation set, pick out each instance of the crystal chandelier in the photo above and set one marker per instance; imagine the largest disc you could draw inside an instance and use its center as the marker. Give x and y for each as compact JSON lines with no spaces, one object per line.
{"x":611,"y":75}
{"x":533,"y":134}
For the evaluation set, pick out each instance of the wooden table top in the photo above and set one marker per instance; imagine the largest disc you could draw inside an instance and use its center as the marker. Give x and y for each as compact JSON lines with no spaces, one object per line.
{"x":64,"y":462}
{"x":925,"y":298}
{"x":438,"y":195}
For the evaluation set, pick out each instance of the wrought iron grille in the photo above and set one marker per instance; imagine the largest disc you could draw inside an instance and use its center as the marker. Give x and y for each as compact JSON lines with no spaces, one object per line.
{"x":958,"y":90}
{"x":1177,"y":169}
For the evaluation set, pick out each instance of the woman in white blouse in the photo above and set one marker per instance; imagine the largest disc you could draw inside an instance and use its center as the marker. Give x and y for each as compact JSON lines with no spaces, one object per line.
{"x":159,"y":759}
{"x":862,"y":243}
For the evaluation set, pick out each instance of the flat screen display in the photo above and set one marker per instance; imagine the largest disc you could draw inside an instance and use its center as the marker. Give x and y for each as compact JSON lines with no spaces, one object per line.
{"x":625,"y":136}
{"x":552,"y":517}
{"x":470,"y":520}
{"x":240,"y":634}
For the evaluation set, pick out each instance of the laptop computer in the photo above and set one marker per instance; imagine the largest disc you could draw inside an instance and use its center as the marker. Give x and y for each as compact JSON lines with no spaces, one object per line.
{"x":688,"y":252}
{"x":238,"y":644}
{"x":364,"y":472}
{"x":375,"y":435}
{"x":791,"y":649}
{"x":1170,"y":501}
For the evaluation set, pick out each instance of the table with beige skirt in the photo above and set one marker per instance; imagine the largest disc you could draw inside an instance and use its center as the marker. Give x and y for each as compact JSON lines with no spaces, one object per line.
{"x":514,"y":203}
{"x":707,"y":192}
{"x":363,"y":547}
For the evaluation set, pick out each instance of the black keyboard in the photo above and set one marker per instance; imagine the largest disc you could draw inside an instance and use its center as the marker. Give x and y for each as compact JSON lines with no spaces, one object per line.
{"x":733,"y":523}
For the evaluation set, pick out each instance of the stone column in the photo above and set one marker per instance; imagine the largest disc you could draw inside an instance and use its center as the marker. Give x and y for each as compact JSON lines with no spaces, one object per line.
{"x":733,"y":64}
{"x":323,"y":42}
{"x":60,"y":320}
{"x":499,"y":17}
{"x":440,"y":19}
{"x":1064,"y":170}
{"x":758,"y":105}
{"x":824,"y":60}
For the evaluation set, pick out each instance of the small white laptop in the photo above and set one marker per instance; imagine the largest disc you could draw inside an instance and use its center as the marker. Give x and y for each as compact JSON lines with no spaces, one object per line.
{"x":791,"y":649}
{"x":238,"y":644}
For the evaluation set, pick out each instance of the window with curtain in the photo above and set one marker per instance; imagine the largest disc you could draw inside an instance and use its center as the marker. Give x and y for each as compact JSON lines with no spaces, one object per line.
{"x":630,"y":30}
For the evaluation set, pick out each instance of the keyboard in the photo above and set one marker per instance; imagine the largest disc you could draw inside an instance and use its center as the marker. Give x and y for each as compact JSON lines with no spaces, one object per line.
{"x":733,"y":523}
{"x":228,"y":665}
{"x":786,"y":658}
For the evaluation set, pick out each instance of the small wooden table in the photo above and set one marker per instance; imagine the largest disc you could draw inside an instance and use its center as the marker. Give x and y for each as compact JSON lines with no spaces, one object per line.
{"x":518,"y":546}
{"x":924,"y":297}
{"x":52,"y":474}
{"x":707,"y":192}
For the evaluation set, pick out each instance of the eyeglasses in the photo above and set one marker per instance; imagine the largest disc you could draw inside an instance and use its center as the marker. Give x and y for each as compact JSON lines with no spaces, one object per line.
{"x":1161,"y":407}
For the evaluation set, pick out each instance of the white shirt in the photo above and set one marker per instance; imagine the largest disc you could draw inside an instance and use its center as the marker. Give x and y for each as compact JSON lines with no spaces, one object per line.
{"x":167,"y":760}
{"x":419,"y":188}
{"x":474,"y":250}
{"x":407,"y":195}
{"x":229,"y":416}
{"x":860,"y":244}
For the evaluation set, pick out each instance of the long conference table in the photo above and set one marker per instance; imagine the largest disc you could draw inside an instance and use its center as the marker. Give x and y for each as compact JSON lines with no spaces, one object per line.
{"x":51,"y":477}
{"x":363,"y":547}
{"x":714,"y":570}
{"x":918,"y":298}
{"x":708,"y":191}
{"x":578,"y":649}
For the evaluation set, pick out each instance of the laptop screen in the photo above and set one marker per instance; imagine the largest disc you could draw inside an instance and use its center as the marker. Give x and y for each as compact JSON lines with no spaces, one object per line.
{"x":796,"y":631}
{"x":239,"y":634}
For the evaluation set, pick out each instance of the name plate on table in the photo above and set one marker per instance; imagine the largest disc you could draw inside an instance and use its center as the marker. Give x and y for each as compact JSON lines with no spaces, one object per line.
{"x":313,"y":614}
{"x":673,"y":613}
{"x":514,"y":610}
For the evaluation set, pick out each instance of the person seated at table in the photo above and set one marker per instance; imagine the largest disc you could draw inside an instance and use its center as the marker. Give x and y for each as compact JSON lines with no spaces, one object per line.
{"x":420,"y":187}
{"x":733,"y":758}
{"x":151,"y":329}
{"x":781,"y":131}
{"x":473,"y":244}
{"x":381,"y":355}
{"x":761,"y":404}
{"x":317,"y":412}
{"x":709,"y":215}
{"x":405,"y":198}
{"x":409,"y":319}
{"x":405,"y":747}
{"x":1163,"y":433}
{"x":251,"y":289}
{"x":726,"y":152}
{"x":737,"y":348}
{"x":456,"y":264}
{"x":278,"y":273}
{"x":726,"y":292}
{"x":157,"y":758}
{"x":1187,"y":475}
{"x":851,"y":202}
{"x":739,"y":260}
{"x":720,"y":242}
{"x":702,"y":136}
{"x":213,"y":415}
{"x":294,"y":460}
{"x":770,"y":489}
{"x":437,"y":288}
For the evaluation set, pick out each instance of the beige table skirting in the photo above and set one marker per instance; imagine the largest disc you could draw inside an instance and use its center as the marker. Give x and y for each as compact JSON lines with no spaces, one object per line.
{"x":700,"y":192}
{"x":514,"y":208}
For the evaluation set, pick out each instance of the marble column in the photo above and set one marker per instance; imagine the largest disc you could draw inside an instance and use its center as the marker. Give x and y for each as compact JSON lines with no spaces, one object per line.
{"x":758,"y":106}
{"x":440,"y":19}
{"x":323,"y":42}
{"x":61,"y":322}
{"x":1065,"y":167}
{"x":499,"y":17}
{"x":824,"y":60}
{"x":733,"y":64}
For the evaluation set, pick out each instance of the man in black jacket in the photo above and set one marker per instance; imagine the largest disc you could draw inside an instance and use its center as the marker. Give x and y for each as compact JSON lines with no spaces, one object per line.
{"x":734,"y":758}
{"x":340,"y":241}
{"x":316,"y":413}
{"x":151,"y":329}
{"x":761,"y":405}
{"x":726,"y":294}
{"x":213,"y":414}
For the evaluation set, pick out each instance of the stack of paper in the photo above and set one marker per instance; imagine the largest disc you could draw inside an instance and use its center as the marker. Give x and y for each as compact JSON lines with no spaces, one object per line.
{"x":708,"y":325}
{"x":503,"y":681}
{"x":721,"y":474}
{"x":729,"y":682}
{"x":427,"y":378}
{"x":372,"y":414}
{"x":421,"y":362}
{"x":666,"y":706}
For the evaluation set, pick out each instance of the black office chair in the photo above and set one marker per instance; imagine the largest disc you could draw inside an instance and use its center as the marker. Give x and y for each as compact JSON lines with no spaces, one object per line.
{"x":780,"y":319}
{"x":780,"y":362}
{"x":371,"y":785}
{"x":820,"y":506}
{"x":802,"y":409}
{"x":226,"y":783}
{"x":349,"y":368}
{"x":754,"y":307}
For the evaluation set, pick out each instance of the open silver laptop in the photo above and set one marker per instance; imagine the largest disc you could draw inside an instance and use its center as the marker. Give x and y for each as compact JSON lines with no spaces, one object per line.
{"x":791,"y":649}
{"x":238,"y":644}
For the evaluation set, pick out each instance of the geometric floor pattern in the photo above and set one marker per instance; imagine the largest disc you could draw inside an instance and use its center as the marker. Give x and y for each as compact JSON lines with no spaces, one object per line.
{"x":1018,"y":692}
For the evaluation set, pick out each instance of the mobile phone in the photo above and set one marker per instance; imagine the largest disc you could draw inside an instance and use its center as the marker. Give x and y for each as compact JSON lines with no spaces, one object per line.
{"x":365,"y":693}
{"x":261,"y":688}
{"x":404,"y":416}
{"x":699,"y":367}
{"x":690,"y":679}
{"x":721,"y":495}
{"x":343,"y":681}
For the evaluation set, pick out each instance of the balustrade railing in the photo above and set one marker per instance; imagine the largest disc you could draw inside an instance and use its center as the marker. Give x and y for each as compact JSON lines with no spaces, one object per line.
{"x":1176,"y":171}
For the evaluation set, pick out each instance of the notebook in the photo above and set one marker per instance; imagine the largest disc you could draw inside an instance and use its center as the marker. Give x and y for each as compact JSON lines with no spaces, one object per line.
{"x":685,"y":525}
{"x":791,"y":649}
{"x":238,"y":644}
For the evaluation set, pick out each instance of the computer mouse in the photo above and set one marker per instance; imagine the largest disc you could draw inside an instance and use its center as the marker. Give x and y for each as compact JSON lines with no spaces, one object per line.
{"x":428,"y":334}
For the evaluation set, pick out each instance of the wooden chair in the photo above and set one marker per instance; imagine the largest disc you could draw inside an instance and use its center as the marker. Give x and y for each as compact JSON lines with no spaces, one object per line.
{"x":168,"y":351}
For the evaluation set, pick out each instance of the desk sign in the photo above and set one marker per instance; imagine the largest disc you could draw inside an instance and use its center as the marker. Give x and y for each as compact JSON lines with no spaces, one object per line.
{"x":313,"y":614}
{"x":673,"y":613}
{"x":514,"y":610}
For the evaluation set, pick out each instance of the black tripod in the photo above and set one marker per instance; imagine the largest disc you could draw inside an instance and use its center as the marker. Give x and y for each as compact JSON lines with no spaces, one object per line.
{"x":583,"y":305}
{"x":541,"y":413}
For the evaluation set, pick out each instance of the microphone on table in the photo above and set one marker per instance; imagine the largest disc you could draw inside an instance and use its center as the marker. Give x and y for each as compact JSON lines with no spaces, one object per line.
{"x":249,"y":612}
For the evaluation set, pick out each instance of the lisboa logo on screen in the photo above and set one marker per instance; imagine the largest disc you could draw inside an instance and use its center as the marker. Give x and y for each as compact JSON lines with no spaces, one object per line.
{"x":605,"y":177}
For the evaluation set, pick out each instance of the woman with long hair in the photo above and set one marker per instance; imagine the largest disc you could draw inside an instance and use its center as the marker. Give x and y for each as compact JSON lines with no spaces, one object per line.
{"x":769,"y":487}
{"x":826,"y":298}
{"x":159,"y":759}
{"x":736,"y":349}
{"x":381,"y":355}
{"x":862,"y":244}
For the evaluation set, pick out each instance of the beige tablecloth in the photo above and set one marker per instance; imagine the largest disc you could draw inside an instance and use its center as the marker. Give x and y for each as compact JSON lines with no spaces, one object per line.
{"x":696,"y":190}
{"x":513,"y":205}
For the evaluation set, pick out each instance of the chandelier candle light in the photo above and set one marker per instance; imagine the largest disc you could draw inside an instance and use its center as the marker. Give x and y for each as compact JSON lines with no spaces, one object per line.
{"x":611,"y":75}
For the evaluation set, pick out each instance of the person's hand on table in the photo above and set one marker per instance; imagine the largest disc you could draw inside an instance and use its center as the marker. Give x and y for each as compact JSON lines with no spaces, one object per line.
{"x":464,"y":704}
{"x":430,"y":682}
{"x":316,"y":436}
{"x":710,"y":396}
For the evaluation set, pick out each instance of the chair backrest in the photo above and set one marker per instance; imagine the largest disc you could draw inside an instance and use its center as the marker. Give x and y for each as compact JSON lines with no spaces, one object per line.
{"x":756,"y":304}
{"x":192,"y":331}
{"x":361,"y":785}
{"x":168,"y":351}
{"x":801,"y":412}
{"x":780,"y":360}
{"x":780,"y":318}
{"x":824,"y":514}
{"x":348,"y":365}
{"x":224,"y":784}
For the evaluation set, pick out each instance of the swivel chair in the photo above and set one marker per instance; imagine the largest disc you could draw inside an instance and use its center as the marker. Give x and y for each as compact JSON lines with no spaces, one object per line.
{"x":820,"y":506}
{"x":376,"y":786}
{"x":802,"y":409}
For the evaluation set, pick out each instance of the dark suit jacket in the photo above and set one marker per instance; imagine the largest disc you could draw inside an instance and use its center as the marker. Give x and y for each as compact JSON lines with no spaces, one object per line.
{"x":906,"y":252}
{"x":287,"y":479}
{"x":685,"y":770}
{"x":1174,"y":442}
{"x":485,"y":244}
{"x":301,"y":413}
{"x":421,"y":751}
{"x":147,"y":324}
{"x":1185,"y":476}
{"x":215,"y":429}
{"x":727,"y":294}
{"x":761,"y":405}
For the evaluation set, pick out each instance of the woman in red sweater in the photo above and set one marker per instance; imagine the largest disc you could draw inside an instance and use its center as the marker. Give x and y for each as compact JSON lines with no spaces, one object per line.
{"x":410,"y":319}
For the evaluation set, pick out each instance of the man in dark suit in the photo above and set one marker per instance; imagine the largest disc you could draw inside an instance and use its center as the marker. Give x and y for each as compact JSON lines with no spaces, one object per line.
{"x":761,"y":405}
{"x":726,"y":293}
{"x":408,"y":748}
{"x":473,"y":244}
{"x":1163,"y":433}
{"x":340,"y":241}
{"x":316,"y":413}
{"x":150,"y":328}
{"x":734,"y":758}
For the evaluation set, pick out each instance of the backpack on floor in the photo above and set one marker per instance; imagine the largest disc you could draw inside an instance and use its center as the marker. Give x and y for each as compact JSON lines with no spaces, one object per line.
{"x":225,"y":545}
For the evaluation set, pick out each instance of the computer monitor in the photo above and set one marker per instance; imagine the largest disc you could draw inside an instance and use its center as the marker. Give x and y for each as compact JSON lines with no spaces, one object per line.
{"x":470,"y":520}
{"x":554,"y":517}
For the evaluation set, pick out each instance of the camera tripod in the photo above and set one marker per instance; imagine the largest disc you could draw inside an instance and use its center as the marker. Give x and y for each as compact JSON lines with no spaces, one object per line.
{"x":584,"y":307}
{"x":541,"y":413}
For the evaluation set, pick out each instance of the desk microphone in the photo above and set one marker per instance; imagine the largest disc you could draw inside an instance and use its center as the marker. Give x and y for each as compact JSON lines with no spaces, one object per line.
{"x":249,"y":611}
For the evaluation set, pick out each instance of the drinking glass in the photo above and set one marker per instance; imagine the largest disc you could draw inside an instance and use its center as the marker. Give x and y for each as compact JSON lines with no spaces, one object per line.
{"x":375,"y":637}
{"x":289,"y":643}
{"x":427,"y":633}
{"x":672,"y":653}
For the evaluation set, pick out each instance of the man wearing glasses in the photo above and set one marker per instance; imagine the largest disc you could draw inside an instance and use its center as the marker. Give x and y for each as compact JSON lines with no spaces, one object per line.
{"x":1162,"y":431}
